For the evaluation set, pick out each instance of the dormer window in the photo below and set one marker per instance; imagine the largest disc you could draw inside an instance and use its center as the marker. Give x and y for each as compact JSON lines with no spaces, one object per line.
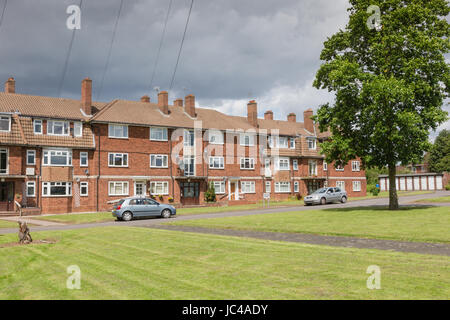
{"x":311,"y":143}
{"x":78,"y":129}
{"x":57,"y":128}
{"x":37,"y":126}
{"x":5,"y":123}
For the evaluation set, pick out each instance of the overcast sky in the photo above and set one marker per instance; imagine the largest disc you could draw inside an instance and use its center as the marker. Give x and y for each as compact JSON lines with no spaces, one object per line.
{"x":234,"y":50}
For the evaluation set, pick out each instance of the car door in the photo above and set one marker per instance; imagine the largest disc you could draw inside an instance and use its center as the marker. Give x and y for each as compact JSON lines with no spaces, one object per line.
{"x":337,"y":194}
{"x":137,"y":207}
{"x":152,"y":207}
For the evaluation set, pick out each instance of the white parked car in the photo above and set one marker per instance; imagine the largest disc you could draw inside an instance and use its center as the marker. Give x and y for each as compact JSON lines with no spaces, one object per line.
{"x":326,"y":195}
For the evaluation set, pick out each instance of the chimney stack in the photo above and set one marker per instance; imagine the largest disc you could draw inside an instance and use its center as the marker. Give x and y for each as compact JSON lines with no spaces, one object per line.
{"x":190,"y":105}
{"x":10,"y":86}
{"x":178,"y":102}
{"x":86,"y":96}
{"x":252,"y":113}
{"x":292,"y":117}
{"x":308,"y":121}
{"x":145,"y":99}
{"x":268,"y":115}
{"x":163,"y":102}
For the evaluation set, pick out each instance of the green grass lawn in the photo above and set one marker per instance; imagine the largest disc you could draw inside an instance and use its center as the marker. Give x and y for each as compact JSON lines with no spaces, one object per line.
{"x":436,"y":200}
{"x":385,"y":194}
{"x":8,"y":224}
{"x":138,"y":263}
{"x":430,"y":224}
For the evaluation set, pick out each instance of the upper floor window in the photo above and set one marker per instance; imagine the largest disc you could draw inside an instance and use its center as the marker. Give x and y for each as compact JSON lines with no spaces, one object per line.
{"x":295,"y":164}
{"x":311,"y":143}
{"x":215,"y":137}
{"x":248,"y":163}
{"x":158,"y":134}
{"x":37,"y":126}
{"x":279,"y":142}
{"x":339,"y":168}
{"x":325,"y":166}
{"x":282,"y":164}
{"x":189,"y":138}
{"x":355,"y":166}
{"x":118,"y":160}
{"x":84,"y":159}
{"x":118,"y":131}
{"x":58,"y":128}
{"x":3,"y":161}
{"x":31,"y":157}
{"x":247,"y":139}
{"x":312,"y":167}
{"x":189,"y":166}
{"x":57,"y":158}
{"x":78,"y":129}
{"x":216,"y":163}
{"x":292,"y":143}
{"x":5,"y":123}
{"x":158,"y":160}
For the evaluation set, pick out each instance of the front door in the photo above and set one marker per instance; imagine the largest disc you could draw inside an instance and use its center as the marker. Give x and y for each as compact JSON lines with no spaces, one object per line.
{"x":190,"y":193}
{"x":233,"y":190}
{"x":6,"y":196}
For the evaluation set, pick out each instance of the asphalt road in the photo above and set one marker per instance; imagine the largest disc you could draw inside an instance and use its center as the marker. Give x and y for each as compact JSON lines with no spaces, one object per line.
{"x":407,"y":200}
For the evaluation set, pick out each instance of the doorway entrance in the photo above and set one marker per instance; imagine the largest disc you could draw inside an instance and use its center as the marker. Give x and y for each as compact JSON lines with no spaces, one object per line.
{"x":190,"y":193}
{"x":6,"y":196}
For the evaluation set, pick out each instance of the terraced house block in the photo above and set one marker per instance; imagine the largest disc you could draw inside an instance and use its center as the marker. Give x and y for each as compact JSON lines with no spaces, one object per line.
{"x":65,"y":155}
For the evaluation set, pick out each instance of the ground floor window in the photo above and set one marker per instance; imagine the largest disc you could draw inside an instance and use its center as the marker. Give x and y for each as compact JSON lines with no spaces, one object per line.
{"x":248,"y":186}
{"x":356,"y":185}
{"x":84,"y":189}
{"x":282,"y":187}
{"x":159,"y":187}
{"x":31,"y":189}
{"x":313,"y":185}
{"x":3,"y":161}
{"x":341,"y":185}
{"x":268,"y":187}
{"x":118,"y":188}
{"x":190,"y":189}
{"x":219,"y":187}
{"x":56,"y":189}
{"x":296,"y":186}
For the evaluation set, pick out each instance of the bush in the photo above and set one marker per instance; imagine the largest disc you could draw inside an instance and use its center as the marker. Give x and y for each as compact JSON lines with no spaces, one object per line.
{"x":299,"y":196}
{"x":447,"y":187}
{"x":210,"y":194}
{"x":375,"y":191}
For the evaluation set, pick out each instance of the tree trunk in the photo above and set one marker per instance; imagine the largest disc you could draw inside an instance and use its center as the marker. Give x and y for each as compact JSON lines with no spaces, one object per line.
{"x":393,"y":198}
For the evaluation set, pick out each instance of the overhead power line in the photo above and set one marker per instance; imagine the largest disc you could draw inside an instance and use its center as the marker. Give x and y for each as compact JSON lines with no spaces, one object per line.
{"x":3,"y":12}
{"x":99,"y":94}
{"x":66,"y":62}
{"x":181,"y":46}
{"x":160,"y":45}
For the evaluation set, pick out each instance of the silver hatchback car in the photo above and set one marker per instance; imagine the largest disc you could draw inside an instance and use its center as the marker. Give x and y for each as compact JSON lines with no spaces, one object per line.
{"x":326,"y":195}
{"x":131,"y":208}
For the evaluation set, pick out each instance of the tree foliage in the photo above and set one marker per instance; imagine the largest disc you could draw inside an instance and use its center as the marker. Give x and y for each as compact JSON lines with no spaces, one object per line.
{"x":439,"y":157}
{"x":389,"y":84}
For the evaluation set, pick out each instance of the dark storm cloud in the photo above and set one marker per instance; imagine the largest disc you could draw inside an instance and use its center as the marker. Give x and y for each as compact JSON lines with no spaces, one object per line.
{"x":234,"y":50}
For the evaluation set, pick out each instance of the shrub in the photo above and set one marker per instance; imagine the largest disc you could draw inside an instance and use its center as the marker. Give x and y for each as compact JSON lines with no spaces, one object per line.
{"x":210,"y":194}
{"x":161,"y":198}
{"x":170,"y":199}
{"x":375,"y":191}
{"x":299,"y":196}
{"x":447,"y":187}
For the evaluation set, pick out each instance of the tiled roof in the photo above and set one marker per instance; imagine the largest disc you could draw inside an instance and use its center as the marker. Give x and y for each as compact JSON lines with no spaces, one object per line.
{"x":47,"y":107}
{"x":14,"y":137}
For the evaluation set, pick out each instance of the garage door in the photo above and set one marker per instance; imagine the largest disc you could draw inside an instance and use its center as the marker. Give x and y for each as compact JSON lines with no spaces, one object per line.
{"x":423,"y":182}
{"x":409,"y":183}
{"x":396,"y":183}
{"x":439,"y":183}
{"x":431,"y":183}
{"x":383,"y":184}
{"x":416,"y":183}
{"x":402,"y":184}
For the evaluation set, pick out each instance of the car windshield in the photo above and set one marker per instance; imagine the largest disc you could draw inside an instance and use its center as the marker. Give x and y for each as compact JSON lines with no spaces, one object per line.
{"x":323,"y":190}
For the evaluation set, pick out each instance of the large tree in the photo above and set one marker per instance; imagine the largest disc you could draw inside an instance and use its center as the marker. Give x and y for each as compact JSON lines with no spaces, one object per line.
{"x":390,"y":82}
{"x":439,"y":157}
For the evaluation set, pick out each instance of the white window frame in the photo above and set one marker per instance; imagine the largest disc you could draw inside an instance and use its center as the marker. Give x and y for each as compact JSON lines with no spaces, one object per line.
{"x":251,"y":163}
{"x":84,"y":155}
{"x":282,"y":164}
{"x":312,"y":163}
{"x":279,"y":184}
{"x":295,"y":164}
{"x":339,"y":168}
{"x":268,"y":187}
{"x":280,"y":142}
{"x":47,"y":154}
{"x":341,"y":185}
{"x":47,"y":187}
{"x":356,"y":186}
{"x":164,"y":159}
{"x":8,"y":118}
{"x":243,"y":141}
{"x":33,"y":152}
{"x":189,"y":161}
{"x":84,"y":184}
{"x":65,"y":127}
{"x":78,"y":129}
{"x":6,"y":170}
{"x":188,"y":137}
{"x":160,"y":131}
{"x":213,"y":160}
{"x":325,"y":166}
{"x":123,"y":183}
{"x":219,"y":187}
{"x":248,"y":186}
{"x":313,"y":141}
{"x":41,"y":123}
{"x":164,"y":186}
{"x":292,"y":143}
{"x":31,"y":184}
{"x":296,"y":186}
{"x":215,"y":134}
{"x":119,"y":155}
{"x":114,"y":128}
{"x":356,"y":166}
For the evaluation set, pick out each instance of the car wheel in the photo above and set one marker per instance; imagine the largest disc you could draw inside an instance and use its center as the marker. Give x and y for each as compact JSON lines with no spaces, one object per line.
{"x":166,"y":213}
{"x":127,"y":216}
{"x":323,"y":201}
{"x":344,"y":199}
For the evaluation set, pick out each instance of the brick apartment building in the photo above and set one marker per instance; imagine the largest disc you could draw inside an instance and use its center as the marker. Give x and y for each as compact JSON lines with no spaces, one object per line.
{"x":63,"y":155}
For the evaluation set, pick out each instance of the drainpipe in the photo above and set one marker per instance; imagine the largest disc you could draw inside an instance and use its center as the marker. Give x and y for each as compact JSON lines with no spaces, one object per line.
{"x":98,"y":170}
